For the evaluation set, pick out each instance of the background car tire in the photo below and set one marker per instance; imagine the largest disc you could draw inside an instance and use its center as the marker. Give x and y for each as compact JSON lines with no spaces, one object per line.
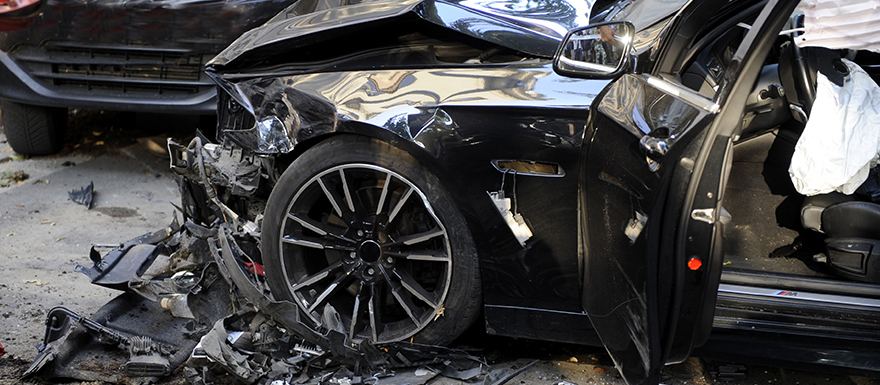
{"x":290,"y":266}
{"x":34,"y":130}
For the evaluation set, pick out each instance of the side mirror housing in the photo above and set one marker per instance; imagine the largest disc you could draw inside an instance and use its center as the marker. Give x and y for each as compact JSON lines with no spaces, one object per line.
{"x":600,"y":50}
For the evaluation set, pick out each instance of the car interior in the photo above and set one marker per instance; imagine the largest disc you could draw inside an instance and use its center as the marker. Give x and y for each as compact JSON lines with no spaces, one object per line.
{"x":827,"y":243}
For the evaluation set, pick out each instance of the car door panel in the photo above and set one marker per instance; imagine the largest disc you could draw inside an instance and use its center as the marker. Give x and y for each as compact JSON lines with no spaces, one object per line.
{"x":624,"y":190}
{"x":652,"y":180}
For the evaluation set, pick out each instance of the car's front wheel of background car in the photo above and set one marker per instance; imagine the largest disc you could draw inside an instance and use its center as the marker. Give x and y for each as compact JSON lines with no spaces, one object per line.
{"x":357,"y":230}
{"x":34,"y":130}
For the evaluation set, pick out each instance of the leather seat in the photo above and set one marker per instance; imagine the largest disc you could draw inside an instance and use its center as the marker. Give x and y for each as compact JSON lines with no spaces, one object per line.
{"x":813,"y":207}
{"x":852,"y":230}
{"x":852,"y":219}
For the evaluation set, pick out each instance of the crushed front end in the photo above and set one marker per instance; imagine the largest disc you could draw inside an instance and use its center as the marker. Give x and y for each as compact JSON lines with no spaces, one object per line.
{"x":195,"y":299}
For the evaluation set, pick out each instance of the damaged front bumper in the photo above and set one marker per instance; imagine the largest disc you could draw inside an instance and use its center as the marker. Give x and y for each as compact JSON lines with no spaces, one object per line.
{"x":195,"y":296}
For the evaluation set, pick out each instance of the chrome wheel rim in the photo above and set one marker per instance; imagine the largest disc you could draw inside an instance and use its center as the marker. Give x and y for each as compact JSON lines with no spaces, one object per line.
{"x":364,"y":242}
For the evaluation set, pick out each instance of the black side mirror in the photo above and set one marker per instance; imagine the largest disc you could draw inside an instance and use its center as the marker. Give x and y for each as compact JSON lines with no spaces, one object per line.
{"x":599,"y":50}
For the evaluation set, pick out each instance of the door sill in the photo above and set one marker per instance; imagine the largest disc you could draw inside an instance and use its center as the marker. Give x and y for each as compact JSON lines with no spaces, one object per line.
{"x":819,"y":299}
{"x":776,"y":281}
{"x":797,"y":312}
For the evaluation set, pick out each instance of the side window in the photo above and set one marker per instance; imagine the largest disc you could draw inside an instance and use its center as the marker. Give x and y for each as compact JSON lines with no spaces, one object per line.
{"x":767,"y":105}
{"x":709,"y":65}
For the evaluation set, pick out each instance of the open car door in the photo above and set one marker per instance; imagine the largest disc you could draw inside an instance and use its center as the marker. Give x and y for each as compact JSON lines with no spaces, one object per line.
{"x":656,"y":157}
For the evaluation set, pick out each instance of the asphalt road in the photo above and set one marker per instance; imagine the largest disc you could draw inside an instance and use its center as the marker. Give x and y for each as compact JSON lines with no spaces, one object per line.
{"x":43,"y":234}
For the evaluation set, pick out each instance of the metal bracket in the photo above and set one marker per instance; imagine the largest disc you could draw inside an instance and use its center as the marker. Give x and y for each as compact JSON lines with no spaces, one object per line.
{"x":704,"y":215}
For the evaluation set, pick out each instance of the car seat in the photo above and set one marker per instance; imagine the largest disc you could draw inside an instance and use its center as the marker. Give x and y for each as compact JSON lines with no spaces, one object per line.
{"x":852,"y":243}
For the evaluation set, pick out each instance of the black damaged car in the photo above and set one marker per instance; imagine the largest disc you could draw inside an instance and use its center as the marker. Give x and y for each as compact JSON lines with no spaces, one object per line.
{"x":394,"y":169}
{"x":433,"y":159}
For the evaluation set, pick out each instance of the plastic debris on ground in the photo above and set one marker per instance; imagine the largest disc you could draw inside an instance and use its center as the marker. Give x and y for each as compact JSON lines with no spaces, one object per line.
{"x":730,"y":372}
{"x":84,"y":195}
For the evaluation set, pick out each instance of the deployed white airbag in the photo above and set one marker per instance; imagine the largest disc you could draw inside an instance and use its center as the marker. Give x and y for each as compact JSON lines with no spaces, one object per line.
{"x":841,"y":24}
{"x":841,"y":140}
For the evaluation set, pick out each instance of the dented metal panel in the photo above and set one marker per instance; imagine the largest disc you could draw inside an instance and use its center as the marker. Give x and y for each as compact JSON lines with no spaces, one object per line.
{"x":408,"y":103}
{"x":518,"y":25}
{"x":441,"y":115}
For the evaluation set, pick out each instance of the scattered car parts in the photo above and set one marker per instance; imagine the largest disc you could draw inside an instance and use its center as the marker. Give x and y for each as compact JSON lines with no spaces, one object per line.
{"x":84,"y":195}
{"x":210,"y":309}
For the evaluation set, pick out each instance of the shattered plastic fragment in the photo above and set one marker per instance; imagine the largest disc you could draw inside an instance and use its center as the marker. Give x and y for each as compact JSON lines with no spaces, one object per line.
{"x":58,"y":323}
{"x":255,"y":267}
{"x":515,"y":220}
{"x":215,"y":347}
{"x":84,"y":195}
{"x":730,"y":372}
{"x":635,"y":226}
{"x":423,"y":371}
{"x":116,"y":269}
{"x":176,"y":303}
{"x":145,"y":359}
{"x":71,"y":353}
{"x":506,"y":375}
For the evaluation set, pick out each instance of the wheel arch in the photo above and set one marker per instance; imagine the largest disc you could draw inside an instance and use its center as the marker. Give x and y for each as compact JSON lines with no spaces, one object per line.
{"x":468,"y":209}
{"x":356,"y":149}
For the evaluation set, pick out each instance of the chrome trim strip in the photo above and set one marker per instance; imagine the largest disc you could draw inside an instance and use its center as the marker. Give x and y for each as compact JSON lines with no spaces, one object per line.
{"x":690,"y":97}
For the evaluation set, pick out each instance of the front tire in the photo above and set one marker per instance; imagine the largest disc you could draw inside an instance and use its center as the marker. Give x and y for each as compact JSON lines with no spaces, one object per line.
{"x":34,"y":130}
{"x":359,"y":228}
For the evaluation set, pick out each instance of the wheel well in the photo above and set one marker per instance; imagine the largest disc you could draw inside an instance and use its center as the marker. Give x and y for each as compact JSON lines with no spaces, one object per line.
{"x":467,"y":208}
{"x":310,"y":193}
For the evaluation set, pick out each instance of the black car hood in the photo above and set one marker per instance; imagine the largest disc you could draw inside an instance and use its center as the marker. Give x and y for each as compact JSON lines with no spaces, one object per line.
{"x":529,"y":26}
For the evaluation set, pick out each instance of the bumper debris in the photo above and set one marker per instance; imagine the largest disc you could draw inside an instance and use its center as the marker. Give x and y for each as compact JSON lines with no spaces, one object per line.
{"x":195,"y":299}
{"x":84,"y":195}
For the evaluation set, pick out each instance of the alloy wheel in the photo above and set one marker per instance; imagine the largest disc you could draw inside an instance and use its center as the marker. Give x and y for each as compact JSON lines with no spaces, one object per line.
{"x":364,"y":242}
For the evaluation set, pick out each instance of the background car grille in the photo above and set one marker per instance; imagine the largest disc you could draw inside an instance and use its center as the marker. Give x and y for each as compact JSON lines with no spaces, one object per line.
{"x":149,"y":72}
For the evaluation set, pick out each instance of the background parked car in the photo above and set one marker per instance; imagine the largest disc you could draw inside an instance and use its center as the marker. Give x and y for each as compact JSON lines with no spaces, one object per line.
{"x":118,"y":55}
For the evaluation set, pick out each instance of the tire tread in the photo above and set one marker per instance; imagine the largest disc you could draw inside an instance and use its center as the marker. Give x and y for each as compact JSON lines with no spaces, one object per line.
{"x":33,"y":130}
